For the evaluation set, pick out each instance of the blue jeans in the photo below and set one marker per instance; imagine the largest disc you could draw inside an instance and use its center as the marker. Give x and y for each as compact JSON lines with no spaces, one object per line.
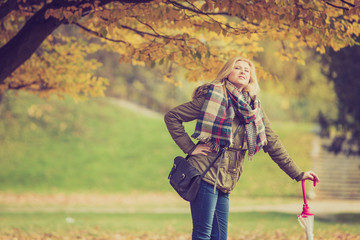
{"x":210,"y":214}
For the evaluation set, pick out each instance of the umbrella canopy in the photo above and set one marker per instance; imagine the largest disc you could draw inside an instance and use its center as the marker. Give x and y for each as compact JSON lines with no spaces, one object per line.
{"x":307,"y":223}
{"x":306,"y":218}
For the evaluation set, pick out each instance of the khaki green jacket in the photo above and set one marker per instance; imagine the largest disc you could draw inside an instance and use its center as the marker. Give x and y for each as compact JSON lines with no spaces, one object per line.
{"x":231,"y":164}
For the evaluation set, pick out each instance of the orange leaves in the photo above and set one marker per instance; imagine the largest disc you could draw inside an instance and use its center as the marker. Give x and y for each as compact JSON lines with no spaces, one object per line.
{"x":60,"y":69}
{"x":195,"y":35}
{"x":172,"y":81}
{"x":98,"y":233}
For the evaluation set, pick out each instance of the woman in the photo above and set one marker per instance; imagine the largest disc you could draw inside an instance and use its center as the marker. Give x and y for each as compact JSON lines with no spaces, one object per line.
{"x":229,"y":117}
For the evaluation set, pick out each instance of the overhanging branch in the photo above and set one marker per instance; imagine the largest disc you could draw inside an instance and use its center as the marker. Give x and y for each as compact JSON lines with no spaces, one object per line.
{"x":98,"y":34}
{"x":347,"y":3}
{"x":198,"y":11}
{"x":7,"y":7}
{"x":20,"y":48}
{"x":335,"y":6}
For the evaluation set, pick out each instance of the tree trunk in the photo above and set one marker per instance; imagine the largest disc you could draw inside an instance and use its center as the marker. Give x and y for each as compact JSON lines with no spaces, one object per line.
{"x":20,"y":48}
{"x":7,"y":7}
{"x":24,"y":44}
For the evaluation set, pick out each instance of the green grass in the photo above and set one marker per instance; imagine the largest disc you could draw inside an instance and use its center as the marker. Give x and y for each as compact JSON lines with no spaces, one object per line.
{"x":126,"y":223}
{"x":104,"y":148}
{"x":58,"y":146}
{"x":240,"y":223}
{"x":51,"y":145}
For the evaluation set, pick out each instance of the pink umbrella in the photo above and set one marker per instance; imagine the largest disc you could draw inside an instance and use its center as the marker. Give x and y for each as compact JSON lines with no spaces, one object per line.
{"x":306,"y":219}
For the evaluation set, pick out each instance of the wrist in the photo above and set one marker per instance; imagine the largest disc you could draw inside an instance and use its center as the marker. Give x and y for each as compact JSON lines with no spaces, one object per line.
{"x":192,"y":149}
{"x":300,"y":177}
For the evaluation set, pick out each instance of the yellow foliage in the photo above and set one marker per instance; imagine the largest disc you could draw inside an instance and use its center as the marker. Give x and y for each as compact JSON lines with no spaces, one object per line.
{"x":196,"y":35}
{"x":60,"y":69}
{"x":172,"y":81}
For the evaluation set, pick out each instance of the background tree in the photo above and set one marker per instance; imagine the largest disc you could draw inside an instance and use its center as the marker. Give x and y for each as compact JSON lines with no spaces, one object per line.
{"x":343,"y":70}
{"x":196,"y":35}
{"x":297,"y":92}
{"x":142,"y":84}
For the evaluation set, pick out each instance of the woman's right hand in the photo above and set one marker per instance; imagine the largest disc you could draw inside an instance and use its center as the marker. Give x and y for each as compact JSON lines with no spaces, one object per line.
{"x":202,"y":149}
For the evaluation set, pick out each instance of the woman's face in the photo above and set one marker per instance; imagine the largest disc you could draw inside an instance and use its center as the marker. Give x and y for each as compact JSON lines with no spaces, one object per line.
{"x":240,"y":75}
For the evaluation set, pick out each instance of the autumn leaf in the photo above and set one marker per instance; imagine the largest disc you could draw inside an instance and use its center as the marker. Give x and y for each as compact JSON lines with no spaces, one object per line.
{"x":195,"y":35}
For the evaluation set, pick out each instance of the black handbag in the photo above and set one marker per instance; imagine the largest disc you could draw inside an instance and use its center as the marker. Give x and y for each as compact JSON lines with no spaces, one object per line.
{"x":186,"y":179}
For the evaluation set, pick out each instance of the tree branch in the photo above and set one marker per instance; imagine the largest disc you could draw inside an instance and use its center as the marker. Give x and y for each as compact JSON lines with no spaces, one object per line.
{"x":347,"y":3}
{"x":20,"y":48}
{"x":142,"y":33}
{"x":12,"y":5}
{"x":25,"y":42}
{"x":146,"y":24}
{"x":7,"y":7}
{"x":97,"y":34}
{"x":335,"y":6}
{"x":197,"y":11}
{"x":38,"y":85}
{"x":209,"y":14}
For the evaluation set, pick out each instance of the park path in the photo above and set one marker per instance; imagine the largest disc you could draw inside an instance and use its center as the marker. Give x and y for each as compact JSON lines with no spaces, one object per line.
{"x":135,"y":107}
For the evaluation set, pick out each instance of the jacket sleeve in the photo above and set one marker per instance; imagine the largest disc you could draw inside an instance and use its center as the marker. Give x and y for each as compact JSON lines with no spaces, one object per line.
{"x":183,"y":113}
{"x":278,"y":153}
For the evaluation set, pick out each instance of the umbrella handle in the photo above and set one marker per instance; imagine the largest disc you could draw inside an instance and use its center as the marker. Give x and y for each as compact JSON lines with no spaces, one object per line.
{"x":303,"y":189}
{"x":306,"y":209}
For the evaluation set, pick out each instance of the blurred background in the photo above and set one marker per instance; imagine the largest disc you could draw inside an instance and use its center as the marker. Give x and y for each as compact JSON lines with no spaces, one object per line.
{"x":108,"y":144}
{"x":94,"y":165}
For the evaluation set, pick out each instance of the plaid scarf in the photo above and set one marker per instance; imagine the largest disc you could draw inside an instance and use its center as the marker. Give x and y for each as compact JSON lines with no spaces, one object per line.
{"x":214,"y":125}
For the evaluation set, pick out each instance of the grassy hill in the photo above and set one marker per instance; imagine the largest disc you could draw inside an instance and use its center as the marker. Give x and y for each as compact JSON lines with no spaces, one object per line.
{"x":51,"y":145}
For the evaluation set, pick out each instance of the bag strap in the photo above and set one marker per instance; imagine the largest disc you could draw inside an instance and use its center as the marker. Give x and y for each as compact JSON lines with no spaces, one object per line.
{"x":217,"y":156}
{"x":237,"y":130}
{"x":213,"y":162}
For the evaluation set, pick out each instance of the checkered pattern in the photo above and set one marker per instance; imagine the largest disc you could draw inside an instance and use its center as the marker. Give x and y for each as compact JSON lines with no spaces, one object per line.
{"x":214,"y":124}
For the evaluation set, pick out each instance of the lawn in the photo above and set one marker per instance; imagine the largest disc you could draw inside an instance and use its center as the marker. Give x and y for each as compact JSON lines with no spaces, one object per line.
{"x":52,"y":146}
{"x":252,"y":225}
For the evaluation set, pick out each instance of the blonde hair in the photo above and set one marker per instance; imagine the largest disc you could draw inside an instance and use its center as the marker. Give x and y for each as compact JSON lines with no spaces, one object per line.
{"x":253,"y":86}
